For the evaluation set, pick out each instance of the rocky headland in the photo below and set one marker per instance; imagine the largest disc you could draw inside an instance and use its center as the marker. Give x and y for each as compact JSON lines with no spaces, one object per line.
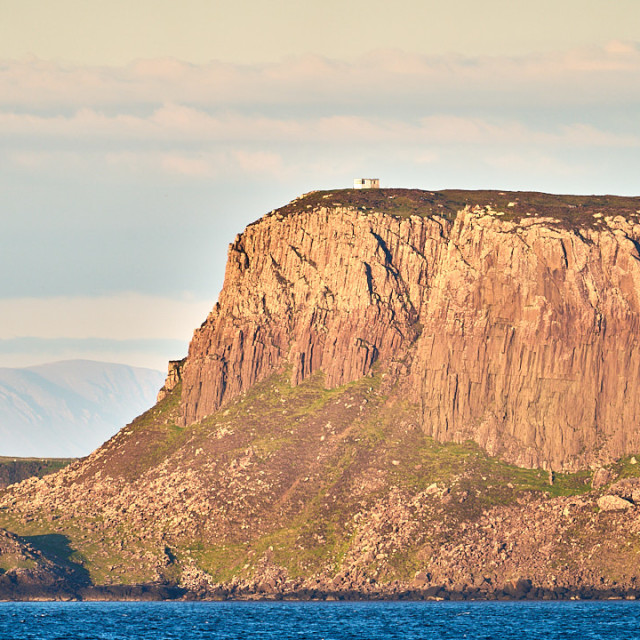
{"x":399,"y":393}
{"x":14,"y":470}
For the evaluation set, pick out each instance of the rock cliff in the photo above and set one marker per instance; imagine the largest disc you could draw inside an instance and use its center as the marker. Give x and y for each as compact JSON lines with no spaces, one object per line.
{"x":173,"y":379}
{"x":509,"y":318}
{"x":318,"y":441}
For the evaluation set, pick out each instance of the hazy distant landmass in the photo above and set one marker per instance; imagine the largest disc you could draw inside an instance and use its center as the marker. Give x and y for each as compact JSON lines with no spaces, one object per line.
{"x":68,"y":408}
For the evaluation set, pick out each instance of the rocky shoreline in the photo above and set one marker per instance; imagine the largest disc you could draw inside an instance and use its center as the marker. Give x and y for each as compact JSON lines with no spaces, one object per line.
{"x":521,"y":590}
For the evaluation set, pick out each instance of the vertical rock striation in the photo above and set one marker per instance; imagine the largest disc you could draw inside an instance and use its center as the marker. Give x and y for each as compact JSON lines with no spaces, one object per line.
{"x":530,"y":341}
{"x":517,"y":331}
{"x":327,"y":289}
{"x":173,"y":379}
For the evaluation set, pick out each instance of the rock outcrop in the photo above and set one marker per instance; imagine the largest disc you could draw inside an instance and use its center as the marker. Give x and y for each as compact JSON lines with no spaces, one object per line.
{"x":174,"y":378}
{"x":614,"y":503}
{"x":26,"y":573}
{"x":516,"y":328}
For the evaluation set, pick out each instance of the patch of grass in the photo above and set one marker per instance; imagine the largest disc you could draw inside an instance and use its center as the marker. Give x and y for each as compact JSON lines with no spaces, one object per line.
{"x":626,"y":467}
{"x":570,"y":211}
{"x":404,"y":564}
{"x":222,"y":562}
{"x":414,"y":460}
{"x":14,"y":470}
{"x":144,"y":443}
{"x":8,"y":562}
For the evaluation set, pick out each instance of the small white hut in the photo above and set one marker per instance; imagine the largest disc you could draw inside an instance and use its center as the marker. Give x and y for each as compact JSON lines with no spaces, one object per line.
{"x":366,"y":183}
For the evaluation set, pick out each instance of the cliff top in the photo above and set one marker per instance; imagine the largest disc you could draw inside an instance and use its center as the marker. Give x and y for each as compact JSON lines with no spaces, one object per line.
{"x":569,"y":211}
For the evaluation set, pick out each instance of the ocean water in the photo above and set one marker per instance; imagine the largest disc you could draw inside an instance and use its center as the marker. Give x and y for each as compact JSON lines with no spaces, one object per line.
{"x":319,"y":620}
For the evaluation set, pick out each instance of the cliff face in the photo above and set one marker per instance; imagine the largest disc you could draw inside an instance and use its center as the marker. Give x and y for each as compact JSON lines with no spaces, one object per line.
{"x":173,"y":379}
{"x":512,"y":321}
{"x":328,"y":290}
{"x":317,"y":438}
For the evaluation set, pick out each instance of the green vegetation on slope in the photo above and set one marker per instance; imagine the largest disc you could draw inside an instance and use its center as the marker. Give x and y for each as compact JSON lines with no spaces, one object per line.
{"x":288,"y":477}
{"x":14,"y":470}
{"x":569,"y":211}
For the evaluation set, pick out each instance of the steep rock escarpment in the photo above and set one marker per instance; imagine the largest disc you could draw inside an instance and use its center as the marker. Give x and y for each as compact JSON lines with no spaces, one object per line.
{"x":530,"y":341}
{"x":514,"y":328}
{"x":310,"y":443}
{"x":328,"y":290}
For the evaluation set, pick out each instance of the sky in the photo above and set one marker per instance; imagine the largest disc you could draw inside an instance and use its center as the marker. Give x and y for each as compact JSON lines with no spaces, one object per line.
{"x":138,"y":138}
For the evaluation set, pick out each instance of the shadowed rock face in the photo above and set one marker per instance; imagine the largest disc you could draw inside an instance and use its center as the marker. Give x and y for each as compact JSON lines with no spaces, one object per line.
{"x":26,"y":573}
{"x":517,"y":331}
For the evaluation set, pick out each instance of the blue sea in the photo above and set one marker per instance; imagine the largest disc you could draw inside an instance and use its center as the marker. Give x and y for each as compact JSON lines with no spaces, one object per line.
{"x":319,"y":620}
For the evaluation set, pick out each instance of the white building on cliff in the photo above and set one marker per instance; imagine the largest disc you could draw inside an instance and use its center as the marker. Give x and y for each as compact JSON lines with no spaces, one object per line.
{"x":366,"y":183}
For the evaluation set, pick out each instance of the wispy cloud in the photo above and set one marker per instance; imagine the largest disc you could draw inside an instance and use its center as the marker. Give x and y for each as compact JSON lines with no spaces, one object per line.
{"x":182,"y":141}
{"x":383,"y":76}
{"x":114,"y":317}
{"x":220,"y":121}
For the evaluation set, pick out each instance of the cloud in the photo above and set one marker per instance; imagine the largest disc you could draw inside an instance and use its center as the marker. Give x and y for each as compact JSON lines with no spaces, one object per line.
{"x":114,"y":317}
{"x":230,"y":163}
{"x":378,"y":77}
{"x":183,"y":141}
{"x":533,"y":163}
{"x":220,"y":121}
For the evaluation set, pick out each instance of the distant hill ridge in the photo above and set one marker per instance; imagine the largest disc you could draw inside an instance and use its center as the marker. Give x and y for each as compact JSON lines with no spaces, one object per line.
{"x":14,"y":470}
{"x":68,"y":408}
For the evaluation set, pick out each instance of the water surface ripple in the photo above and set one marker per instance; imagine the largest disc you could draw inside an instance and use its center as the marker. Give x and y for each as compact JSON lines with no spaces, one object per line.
{"x":319,"y":620}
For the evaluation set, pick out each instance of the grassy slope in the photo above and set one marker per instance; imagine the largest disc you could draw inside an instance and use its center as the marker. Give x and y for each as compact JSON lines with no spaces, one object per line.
{"x":319,"y":461}
{"x":569,"y":211}
{"x":18,"y":469}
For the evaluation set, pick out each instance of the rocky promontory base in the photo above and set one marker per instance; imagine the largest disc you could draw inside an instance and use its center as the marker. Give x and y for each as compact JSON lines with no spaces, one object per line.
{"x":519,"y":590}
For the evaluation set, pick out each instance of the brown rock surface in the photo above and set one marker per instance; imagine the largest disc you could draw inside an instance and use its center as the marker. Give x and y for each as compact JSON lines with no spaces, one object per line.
{"x":174,"y":377}
{"x":601,"y":478}
{"x":518,"y":331}
{"x":614,"y":503}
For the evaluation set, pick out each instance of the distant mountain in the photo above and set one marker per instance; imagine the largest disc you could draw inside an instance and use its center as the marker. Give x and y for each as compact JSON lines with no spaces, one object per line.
{"x":67,"y":409}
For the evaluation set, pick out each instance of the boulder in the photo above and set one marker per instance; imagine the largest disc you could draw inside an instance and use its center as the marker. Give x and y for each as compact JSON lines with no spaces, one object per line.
{"x":613,"y":503}
{"x":601,"y":477}
{"x":629,"y":489}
